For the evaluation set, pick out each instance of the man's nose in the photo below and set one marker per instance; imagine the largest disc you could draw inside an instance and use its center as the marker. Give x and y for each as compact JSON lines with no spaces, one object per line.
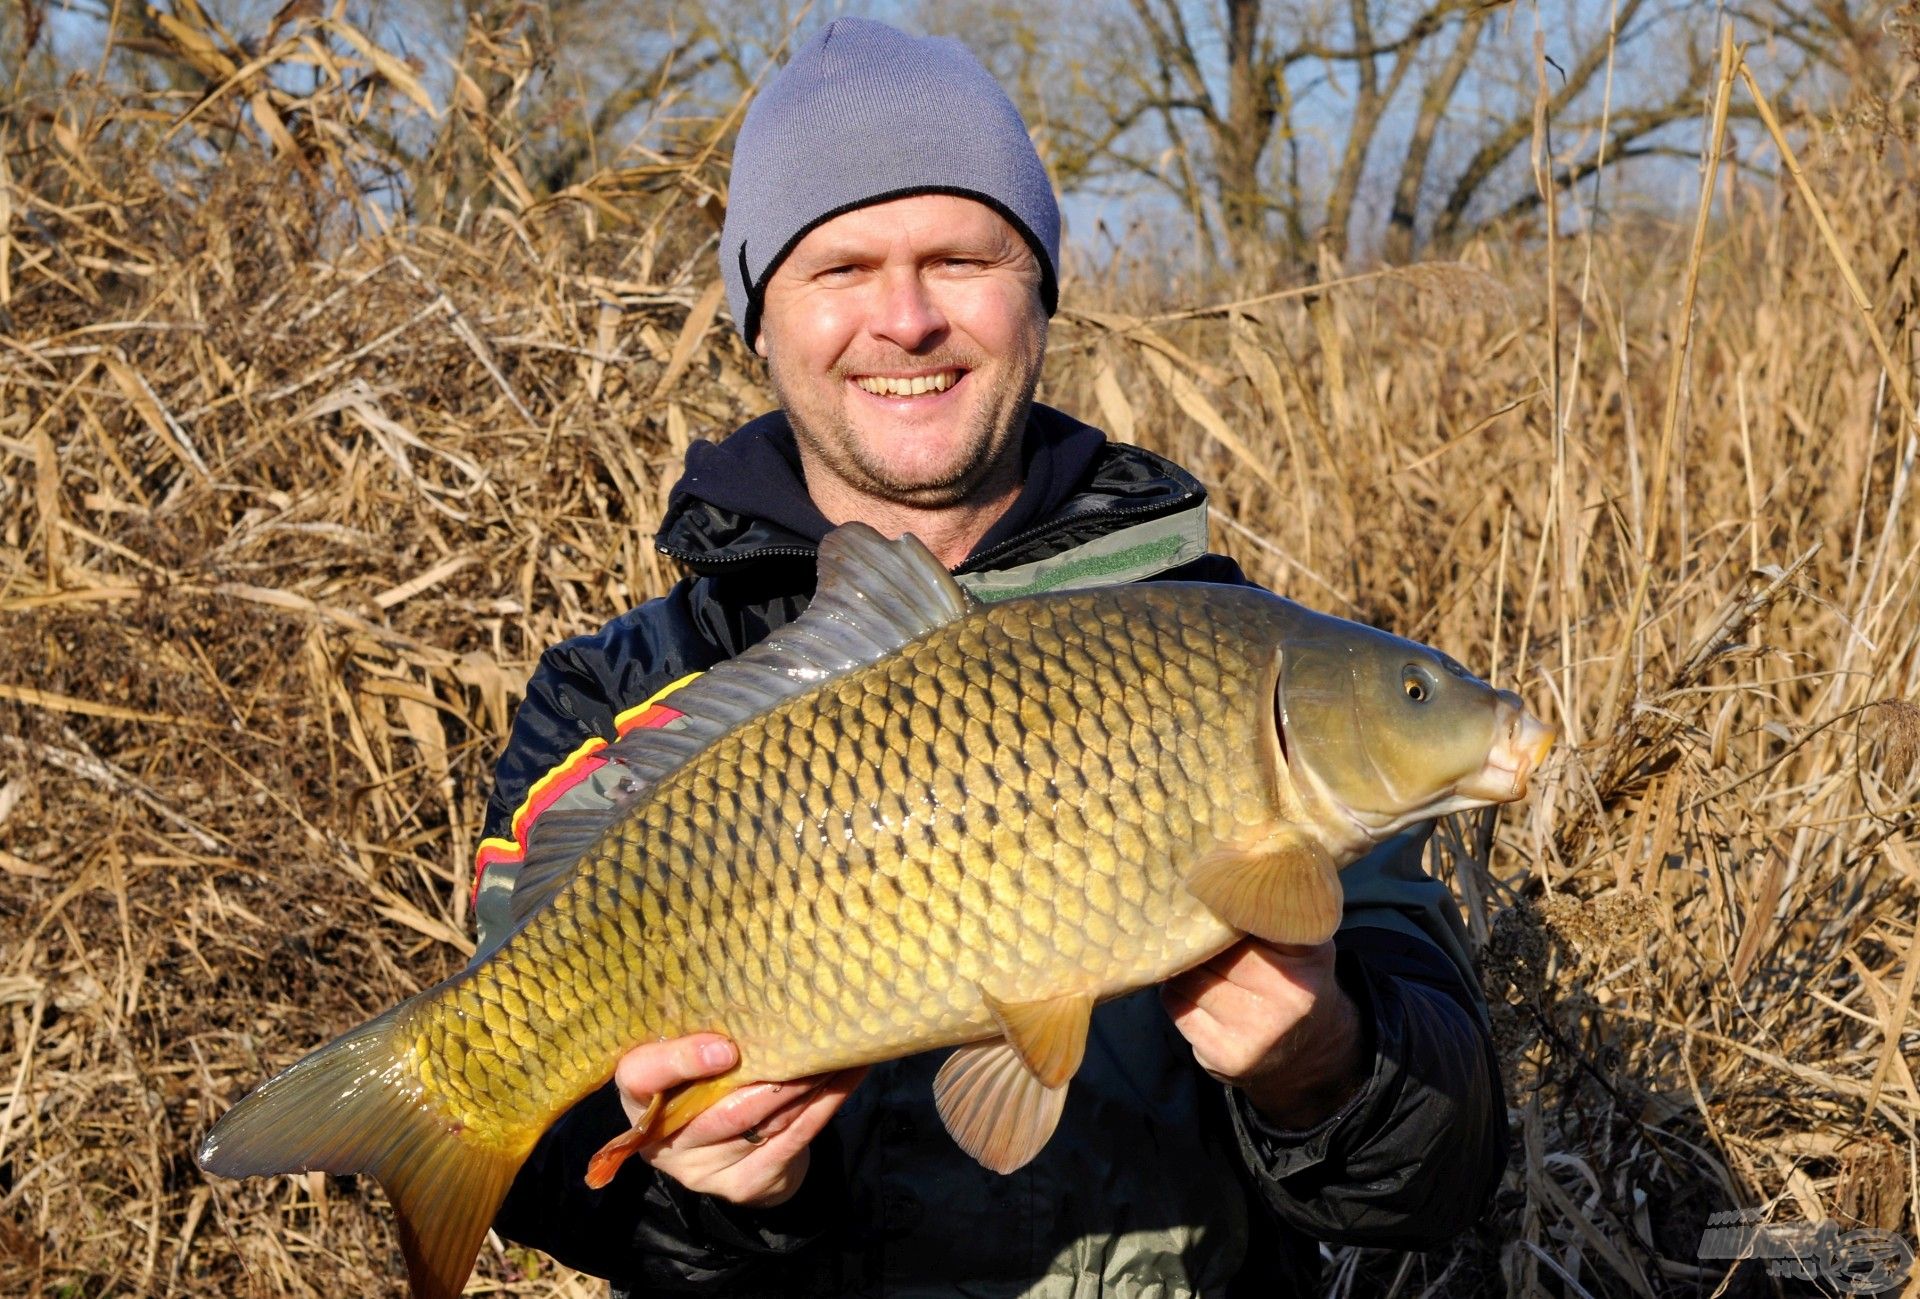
{"x":908,"y":315}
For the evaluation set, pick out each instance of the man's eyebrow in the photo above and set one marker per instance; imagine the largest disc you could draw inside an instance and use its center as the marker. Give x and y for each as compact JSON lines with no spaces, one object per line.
{"x":854,"y":253}
{"x":835,"y":254}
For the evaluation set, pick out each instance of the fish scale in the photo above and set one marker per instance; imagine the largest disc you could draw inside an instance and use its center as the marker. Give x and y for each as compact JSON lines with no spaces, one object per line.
{"x":902,"y":838}
{"x":903,"y":821}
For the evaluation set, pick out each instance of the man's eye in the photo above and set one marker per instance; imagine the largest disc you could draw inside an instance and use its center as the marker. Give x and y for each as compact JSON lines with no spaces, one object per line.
{"x":838,"y":270}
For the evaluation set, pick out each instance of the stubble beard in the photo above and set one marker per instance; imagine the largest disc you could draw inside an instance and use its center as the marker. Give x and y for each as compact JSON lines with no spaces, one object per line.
{"x":989,"y":442}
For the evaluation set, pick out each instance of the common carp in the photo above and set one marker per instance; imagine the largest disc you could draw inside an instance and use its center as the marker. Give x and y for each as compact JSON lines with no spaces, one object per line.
{"x":907,"y":820}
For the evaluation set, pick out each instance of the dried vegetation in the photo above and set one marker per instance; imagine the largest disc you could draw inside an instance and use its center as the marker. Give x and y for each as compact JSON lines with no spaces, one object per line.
{"x":292,"y":492}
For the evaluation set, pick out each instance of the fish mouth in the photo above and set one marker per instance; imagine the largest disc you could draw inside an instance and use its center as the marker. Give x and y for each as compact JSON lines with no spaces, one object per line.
{"x":1520,"y":745}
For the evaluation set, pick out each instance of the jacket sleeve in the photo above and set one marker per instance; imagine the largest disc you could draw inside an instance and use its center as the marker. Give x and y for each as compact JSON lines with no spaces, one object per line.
{"x":643,"y":1228}
{"x":1414,"y":1155}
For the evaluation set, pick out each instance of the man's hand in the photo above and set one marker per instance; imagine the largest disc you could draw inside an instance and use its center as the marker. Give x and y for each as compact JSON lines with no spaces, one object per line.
{"x":751,"y":1148}
{"x":1274,"y":1022}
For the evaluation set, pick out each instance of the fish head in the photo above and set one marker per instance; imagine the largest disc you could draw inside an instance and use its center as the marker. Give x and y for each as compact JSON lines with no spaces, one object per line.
{"x":1394,"y":732}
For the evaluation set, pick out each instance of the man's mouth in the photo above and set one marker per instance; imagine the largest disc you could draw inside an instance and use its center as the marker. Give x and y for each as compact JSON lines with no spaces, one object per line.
{"x":918,"y":385}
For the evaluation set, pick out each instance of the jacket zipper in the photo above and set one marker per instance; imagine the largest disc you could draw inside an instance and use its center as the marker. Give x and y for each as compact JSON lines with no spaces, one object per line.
{"x":766,"y":552}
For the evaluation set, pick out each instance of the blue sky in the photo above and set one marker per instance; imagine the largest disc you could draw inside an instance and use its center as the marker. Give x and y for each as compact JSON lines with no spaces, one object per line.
{"x":1648,"y":55}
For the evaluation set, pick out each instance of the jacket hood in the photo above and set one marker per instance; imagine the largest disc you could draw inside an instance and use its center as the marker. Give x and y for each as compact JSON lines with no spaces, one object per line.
{"x":746,"y":497}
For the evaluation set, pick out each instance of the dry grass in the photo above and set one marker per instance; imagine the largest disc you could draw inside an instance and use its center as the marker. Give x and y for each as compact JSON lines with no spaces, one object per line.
{"x":289,"y":503}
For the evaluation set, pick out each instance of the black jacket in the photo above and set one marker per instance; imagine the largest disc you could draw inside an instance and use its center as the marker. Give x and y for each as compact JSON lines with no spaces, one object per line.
{"x":1157,"y":1176}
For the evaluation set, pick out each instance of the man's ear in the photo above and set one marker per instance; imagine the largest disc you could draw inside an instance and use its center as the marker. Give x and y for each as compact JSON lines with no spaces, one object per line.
{"x":760,"y":343}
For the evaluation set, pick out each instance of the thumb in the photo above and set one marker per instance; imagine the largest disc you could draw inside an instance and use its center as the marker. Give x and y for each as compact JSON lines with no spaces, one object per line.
{"x":655,"y":1067}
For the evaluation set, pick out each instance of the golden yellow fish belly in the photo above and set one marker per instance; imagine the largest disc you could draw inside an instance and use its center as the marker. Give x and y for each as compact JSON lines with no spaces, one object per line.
{"x":1005,"y":806}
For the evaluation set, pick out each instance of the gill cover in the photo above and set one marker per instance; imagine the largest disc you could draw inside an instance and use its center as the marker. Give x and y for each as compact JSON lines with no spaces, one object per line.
{"x":1395,"y":731}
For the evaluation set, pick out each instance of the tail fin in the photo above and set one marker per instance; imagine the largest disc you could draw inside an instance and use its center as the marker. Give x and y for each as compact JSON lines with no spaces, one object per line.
{"x":354,"y":1106}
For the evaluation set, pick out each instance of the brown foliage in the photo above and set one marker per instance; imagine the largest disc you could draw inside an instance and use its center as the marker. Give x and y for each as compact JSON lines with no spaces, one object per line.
{"x":289,"y":503}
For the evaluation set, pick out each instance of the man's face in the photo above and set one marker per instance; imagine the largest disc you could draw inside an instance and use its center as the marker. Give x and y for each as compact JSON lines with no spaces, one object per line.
{"x":904,"y":340}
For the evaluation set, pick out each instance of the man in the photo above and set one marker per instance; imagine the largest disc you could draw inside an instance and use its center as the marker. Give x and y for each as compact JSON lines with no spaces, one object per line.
{"x":890,"y":249}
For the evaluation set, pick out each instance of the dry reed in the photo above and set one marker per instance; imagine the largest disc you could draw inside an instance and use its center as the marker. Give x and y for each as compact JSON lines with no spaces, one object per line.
{"x":293,"y":492}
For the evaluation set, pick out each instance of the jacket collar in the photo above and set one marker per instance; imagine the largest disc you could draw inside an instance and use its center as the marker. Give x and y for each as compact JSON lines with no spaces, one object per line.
{"x":745,"y":498}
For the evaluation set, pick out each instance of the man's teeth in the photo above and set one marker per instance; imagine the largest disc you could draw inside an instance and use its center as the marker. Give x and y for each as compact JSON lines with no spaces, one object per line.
{"x":882,"y":386}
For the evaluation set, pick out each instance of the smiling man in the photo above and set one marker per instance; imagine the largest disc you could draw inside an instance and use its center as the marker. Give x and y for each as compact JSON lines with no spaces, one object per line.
{"x":904,"y":340}
{"x":891,"y":251}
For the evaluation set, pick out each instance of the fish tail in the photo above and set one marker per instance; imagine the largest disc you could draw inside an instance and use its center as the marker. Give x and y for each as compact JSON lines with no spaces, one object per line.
{"x":355,"y":1106}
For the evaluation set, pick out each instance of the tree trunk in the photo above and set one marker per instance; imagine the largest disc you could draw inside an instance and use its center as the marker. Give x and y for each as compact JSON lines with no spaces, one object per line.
{"x":1433,"y":106}
{"x":1240,"y":140}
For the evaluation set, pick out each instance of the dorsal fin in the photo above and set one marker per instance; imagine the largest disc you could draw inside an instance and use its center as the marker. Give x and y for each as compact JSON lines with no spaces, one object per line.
{"x":873,"y":597}
{"x":556,"y":841}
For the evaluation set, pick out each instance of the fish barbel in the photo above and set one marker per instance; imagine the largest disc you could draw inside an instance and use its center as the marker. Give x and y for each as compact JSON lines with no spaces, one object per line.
{"x":907,"y":820}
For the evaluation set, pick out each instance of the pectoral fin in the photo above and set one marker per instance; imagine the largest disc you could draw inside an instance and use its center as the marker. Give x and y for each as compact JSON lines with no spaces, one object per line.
{"x":1049,"y":1035}
{"x":1283,"y":887}
{"x":994,"y":1106}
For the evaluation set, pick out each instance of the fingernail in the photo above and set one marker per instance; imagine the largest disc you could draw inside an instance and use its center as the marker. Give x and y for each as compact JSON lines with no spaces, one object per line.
{"x":716,"y":1055}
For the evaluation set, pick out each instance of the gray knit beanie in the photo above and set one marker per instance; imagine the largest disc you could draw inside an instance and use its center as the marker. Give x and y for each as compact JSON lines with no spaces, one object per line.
{"x":864,"y":113}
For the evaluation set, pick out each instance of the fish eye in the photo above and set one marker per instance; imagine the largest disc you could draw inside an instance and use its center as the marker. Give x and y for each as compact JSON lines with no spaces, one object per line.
{"x":1418,"y":683}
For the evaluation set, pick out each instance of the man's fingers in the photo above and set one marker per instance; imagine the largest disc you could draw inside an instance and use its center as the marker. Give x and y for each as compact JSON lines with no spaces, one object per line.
{"x":752,"y":1147}
{"x":791,"y":1128}
{"x":1236,"y":1008}
{"x":764,"y":1108}
{"x":1254,"y":978}
{"x":1265,"y":966}
{"x":1308,"y":950}
{"x":1181,"y":994}
{"x":803,"y":1123}
{"x":746,"y":1110}
{"x":1210,"y":1039}
{"x":1188,"y":1014}
{"x":654,"y":1067}
{"x":1212,"y":995}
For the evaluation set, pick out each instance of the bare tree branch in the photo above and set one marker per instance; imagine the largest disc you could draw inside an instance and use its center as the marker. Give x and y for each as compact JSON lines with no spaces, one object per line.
{"x":1434,"y":99}
{"x":1519,"y":128}
{"x":1371,"y":104}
